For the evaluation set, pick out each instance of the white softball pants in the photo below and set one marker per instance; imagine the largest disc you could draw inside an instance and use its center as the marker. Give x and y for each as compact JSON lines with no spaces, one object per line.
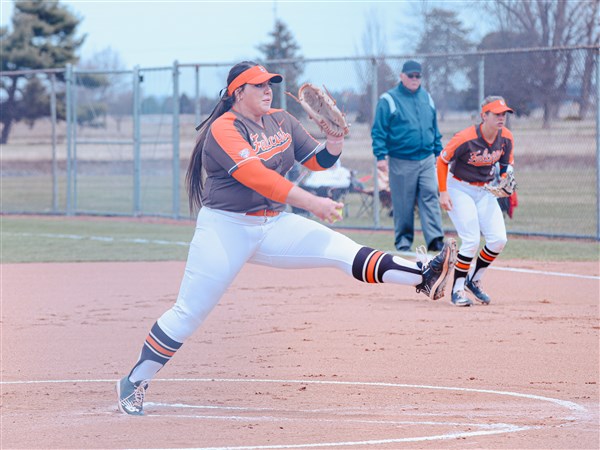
{"x":476,"y":212}
{"x":224,"y":241}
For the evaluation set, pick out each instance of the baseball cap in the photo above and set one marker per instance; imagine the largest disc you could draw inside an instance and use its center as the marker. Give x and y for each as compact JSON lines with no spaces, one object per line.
{"x":411,"y":66}
{"x":253,"y":75}
{"x":496,"y":107}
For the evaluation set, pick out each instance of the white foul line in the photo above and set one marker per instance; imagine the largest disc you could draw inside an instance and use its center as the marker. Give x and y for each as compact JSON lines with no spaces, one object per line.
{"x":186,"y":244}
{"x":79,"y":237}
{"x":540,"y":272}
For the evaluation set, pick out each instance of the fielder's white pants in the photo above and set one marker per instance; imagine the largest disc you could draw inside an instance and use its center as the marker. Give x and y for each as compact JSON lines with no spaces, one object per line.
{"x":475,"y":212}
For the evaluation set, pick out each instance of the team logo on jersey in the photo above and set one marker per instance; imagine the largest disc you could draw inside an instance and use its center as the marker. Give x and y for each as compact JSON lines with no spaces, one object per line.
{"x":484,"y":158}
{"x":274,"y":143}
{"x":244,"y":153}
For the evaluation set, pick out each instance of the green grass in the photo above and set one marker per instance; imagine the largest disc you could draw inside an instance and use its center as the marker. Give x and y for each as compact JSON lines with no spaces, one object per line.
{"x":551,"y":201}
{"x":96,"y":194}
{"x":72,"y":239}
{"x":60,"y":239}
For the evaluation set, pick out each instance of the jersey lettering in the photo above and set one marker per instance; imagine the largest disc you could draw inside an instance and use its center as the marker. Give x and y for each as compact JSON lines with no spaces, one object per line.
{"x":484,"y":158}
{"x":266,"y":144}
{"x":235,"y":142}
{"x":471,"y":158}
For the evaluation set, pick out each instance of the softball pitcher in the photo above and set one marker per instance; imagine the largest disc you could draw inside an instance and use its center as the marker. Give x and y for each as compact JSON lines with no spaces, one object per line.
{"x":236,"y":174}
{"x":472,"y":154}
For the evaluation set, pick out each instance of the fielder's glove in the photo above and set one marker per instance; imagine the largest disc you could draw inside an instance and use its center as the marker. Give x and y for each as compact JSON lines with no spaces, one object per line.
{"x":321,"y":108}
{"x":503,"y":187}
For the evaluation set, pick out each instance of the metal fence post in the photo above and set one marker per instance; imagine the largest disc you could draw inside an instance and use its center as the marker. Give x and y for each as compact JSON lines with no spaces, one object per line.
{"x":481,"y":75}
{"x":282,"y":89}
{"x":74,"y":133}
{"x":136,"y":143}
{"x":176,"y":140}
{"x":53,"y":131}
{"x":68,"y":107}
{"x":197,"y":105}
{"x":374,"y":97}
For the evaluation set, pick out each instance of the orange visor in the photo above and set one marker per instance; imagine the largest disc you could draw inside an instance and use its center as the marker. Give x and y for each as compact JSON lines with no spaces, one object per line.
{"x":496,"y":107}
{"x":253,"y":75}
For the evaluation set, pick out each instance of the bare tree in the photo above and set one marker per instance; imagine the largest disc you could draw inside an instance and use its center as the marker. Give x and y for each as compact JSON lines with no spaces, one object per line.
{"x":109,"y":93}
{"x":590,"y":36}
{"x":374,"y":42}
{"x":554,"y":23}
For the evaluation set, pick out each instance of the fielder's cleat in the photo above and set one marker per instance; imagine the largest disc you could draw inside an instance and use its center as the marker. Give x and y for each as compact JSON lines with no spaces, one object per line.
{"x":459,"y":299}
{"x":436,"y":271}
{"x":131,"y":396}
{"x":474,"y":287}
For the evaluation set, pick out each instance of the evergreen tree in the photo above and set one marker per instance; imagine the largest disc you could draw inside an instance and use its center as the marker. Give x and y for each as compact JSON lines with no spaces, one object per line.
{"x":444,"y":33}
{"x":511,"y":75}
{"x":284,"y":46}
{"x":42,"y":37}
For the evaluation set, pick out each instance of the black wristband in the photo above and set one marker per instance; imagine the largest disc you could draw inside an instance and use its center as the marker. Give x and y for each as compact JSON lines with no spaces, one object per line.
{"x":326,"y":159}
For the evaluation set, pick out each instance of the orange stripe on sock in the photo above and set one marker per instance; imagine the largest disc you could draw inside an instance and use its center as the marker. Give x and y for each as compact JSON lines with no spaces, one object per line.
{"x":486,"y":257}
{"x":159,"y":348}
{"x":370,"y":272}
{"x":462,"y":266}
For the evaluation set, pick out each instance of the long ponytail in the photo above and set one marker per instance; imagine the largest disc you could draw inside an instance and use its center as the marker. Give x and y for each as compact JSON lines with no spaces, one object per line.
{"x":194,"y":178}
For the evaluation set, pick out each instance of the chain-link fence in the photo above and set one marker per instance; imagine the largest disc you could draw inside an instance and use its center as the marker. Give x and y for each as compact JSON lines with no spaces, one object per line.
{"x":118,"y":142}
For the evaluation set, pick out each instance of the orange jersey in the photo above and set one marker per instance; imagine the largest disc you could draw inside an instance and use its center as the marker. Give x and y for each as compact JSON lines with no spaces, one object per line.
{"x":235,"y":143}
{"x":472,"y":158}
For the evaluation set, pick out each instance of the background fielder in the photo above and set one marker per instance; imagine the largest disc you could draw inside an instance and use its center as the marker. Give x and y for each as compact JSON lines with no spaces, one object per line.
{"x":472,"y":154}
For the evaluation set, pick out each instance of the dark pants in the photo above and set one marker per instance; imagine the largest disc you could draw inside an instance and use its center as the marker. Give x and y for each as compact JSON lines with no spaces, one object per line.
{"x":415,"y":182}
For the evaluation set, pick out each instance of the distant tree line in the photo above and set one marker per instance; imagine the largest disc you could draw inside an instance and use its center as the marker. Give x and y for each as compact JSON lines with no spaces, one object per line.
{"x":527,"y":80}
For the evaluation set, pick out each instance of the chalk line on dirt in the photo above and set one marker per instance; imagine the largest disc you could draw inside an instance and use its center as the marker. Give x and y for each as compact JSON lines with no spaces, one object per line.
{"x":484,"y":429}
{"x":186,"y":244}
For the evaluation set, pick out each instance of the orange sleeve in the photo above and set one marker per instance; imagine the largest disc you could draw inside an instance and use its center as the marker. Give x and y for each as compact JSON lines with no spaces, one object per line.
{"x":511,"y":158}
{"x":312,"y":164}
{"x":266,"y":182}
{"x":448,"y":153}
{"x":442,"y":173}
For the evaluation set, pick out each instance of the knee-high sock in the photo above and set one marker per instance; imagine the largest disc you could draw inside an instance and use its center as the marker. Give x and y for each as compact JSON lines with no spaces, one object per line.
{"x":158,"y":349}
{"x":463,"y":264}
{"x":371,"y":266}
{"x":485,"y":258}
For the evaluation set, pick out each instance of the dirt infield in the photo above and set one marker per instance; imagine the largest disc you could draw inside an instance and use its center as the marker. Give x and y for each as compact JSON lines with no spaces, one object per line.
{"x":304,"y":359}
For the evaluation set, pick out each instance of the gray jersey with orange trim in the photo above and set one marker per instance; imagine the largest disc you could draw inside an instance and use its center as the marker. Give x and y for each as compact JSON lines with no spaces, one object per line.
{"x":234,"y":140}
{"x":472,"y":158}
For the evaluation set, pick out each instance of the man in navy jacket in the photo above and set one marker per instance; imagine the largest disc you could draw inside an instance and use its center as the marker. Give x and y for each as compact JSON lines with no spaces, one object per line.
{"x":406,"y":142}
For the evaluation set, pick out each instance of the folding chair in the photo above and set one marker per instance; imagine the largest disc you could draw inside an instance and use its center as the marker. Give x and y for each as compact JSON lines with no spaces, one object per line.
{"x":366,"y":193}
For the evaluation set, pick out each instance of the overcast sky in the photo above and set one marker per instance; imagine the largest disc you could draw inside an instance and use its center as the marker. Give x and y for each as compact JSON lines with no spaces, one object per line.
{"x":156,"y":33}
{"x":153,"y":33}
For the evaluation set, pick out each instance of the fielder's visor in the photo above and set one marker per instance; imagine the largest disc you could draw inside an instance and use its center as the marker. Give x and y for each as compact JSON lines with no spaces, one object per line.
{"x":253,"y":75}
{"x":496,"y":107}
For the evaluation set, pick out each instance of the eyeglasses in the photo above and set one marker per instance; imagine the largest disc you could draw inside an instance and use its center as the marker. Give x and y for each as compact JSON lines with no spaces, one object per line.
{"x":414,"y":75}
